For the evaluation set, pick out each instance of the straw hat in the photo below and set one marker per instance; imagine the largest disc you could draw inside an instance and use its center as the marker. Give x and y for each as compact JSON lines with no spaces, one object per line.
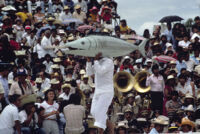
{"x":197,"y":69}
{"x":58,"y":22}
{"x":68,"y":79}
{"x":54,"y":81}
{"x":47,"y":88}
{"x":189,"y":96}
{"x":66,"y":86}
{"x":8,"y":8}
{"x":5,"y":18}
{"x":28,"y":99}
{"x":20,"y":52}
{"x":66,"y":8}
{"x":197,"y":123}
{"x":189,"y":108}
{"x":71,"y":37}
{"x":162,"y":120}
{"x":1,"y":89}
{"x":130,"y":95}
{"x":77,"y":6}
{"x":56,"y":60}
{"x":172,"y":62}
{"x":123,"y":124}
{"x":55,"y":66}
{"x":82,"y":72}
{"x":38,"y":80}
{"x":50,"y":19}
{"x":186,"y":121}
{"x":149,"y":60}
{"x":128,"y":109}
{"x":85,"y":76}
{"x":59,"y":53}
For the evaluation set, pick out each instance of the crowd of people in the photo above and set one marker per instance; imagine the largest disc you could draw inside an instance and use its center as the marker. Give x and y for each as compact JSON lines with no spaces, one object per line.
{"x":44,"y":90}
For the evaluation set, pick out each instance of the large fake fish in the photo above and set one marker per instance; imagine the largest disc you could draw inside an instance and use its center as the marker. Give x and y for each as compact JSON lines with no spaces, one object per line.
{"x":107,"y":45}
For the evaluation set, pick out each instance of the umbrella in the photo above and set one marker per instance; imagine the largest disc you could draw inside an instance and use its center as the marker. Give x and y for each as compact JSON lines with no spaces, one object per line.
{"x":164,"y":58}
{"x":85,"y":27}
{"x":170,"y":19}
{"x":42,"y":29}
{"x":68,"y":21}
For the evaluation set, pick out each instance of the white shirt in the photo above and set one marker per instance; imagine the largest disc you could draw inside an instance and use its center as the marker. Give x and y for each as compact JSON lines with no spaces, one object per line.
{"x":47,"y":46}
{"x":190,"y":65}
{"x":157,"y":83}
{"x":8,"y":118}
{"x":46,"y":84}
{"x":31,"y":41}
{"x":186,"y":89}
{"x":49,"y":108}
{"x":64,"y":96}
{"x":183,"y":43}
{"x":103,"y":70}
{"x":39,"y":50}
{"x":48,"y":66}
{"x":23,"y":117}
{"x":84,"y":86}
{"x":83,"y":5}
{"x":64,"y":16}
{"x":81,"y":16}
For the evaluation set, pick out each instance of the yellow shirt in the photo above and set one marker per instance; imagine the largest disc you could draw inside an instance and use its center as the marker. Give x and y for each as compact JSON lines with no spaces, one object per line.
{"x":124,"y":29}
{"x":24,"y":16}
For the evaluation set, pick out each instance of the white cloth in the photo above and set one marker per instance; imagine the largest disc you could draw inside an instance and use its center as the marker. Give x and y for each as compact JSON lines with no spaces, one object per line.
{"x":84,"y":86}
{"x":49,"y":108}
{"x":104,"y":91}
{"x":8,"y":118}
{"x":103,"y":70}
{"x":31,"y":41}
{"x":46,"y":84}
{"x":184,"y":44}
{"x":157,"y":83}
{"x":64,"y":96}
{"x":186,"y":89}
{"x":153,"y":131}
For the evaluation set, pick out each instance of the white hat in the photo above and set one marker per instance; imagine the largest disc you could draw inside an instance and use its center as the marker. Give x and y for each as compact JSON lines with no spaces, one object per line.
{"x":54,"y":81}
{"x":55,"y":66}
{"x":189,"y":108}
{"x":122,"y":124}
{"x":126,"y":58}
{"x":1,"y":89}
{"x":148,"y":60}
{"x":188,"y":95}
{"x":38,"y":80}
{"x":56,"y":60}
{"x":71,"y":37}
{"x":82,"y":71}
{"x":130,"y":95}
{"x":168,"y":44}
{"x":173,"y":62}
{"x":162,"y":120}
{"x":141,"y":119}
{"x":138,"y":60}
{"x":66,"y":8}
{"x":170,"y":77}
{"x":61,"y":31}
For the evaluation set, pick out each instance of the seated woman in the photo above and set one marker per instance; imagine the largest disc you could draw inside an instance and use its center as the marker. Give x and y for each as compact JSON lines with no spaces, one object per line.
{"x":74,"y":114}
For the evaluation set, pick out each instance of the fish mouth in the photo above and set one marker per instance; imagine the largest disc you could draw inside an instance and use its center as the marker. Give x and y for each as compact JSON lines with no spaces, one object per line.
{"x":72,"y":48}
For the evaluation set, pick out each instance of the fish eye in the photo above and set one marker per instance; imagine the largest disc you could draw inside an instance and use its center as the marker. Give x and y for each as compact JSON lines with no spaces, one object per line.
{"x":83,"y":43}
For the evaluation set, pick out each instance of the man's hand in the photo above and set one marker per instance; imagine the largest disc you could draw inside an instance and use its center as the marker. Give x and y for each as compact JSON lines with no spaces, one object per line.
{"x":98,"y":56}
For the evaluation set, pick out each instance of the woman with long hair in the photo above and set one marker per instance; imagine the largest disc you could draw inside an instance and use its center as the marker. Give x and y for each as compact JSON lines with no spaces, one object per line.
{"x":51,"y":113}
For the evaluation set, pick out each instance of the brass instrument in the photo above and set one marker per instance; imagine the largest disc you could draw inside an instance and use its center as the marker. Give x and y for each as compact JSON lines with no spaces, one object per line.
{"x":125,"y":82}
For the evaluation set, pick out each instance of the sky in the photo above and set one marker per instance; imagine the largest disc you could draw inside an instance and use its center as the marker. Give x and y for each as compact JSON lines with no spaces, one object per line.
{"x":142,"y":14}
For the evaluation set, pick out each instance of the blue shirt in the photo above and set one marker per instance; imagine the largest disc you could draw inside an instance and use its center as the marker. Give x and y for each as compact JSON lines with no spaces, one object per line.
{"x":180,"y":65}
{"x":4,"y":82}
{"x":194,"y":59}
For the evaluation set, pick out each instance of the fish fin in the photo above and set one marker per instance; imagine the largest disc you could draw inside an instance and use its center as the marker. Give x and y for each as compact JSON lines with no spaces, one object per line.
{"x":141,"y":47}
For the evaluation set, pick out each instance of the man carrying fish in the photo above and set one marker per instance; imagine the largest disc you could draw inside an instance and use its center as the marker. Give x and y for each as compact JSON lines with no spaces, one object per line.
{"x":103,"y":69}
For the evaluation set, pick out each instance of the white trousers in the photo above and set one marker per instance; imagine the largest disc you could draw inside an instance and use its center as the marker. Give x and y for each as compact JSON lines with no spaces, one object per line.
{"x":50,"y":127}
{"x":99,"y":108}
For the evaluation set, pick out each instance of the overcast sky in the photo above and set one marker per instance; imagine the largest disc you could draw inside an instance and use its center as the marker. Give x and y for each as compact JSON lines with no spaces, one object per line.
{"x":141,"y":14}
